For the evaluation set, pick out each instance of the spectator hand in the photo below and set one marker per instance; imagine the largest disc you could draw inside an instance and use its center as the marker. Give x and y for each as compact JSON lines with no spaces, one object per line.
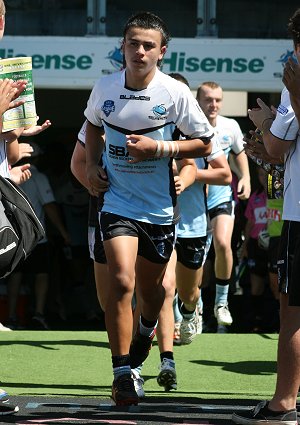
{"x":25,"y":150}
{"x":20,"y":85}
{"x":259,"y":115}
{"x":36,"y":129}
{"x":291,"y":77}
{"x":254,"y":147}
{"x":7,"y":95}
{"x":20,"y":174}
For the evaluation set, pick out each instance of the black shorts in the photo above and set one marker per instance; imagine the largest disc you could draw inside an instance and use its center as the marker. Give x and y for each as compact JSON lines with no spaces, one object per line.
{"x":289,"y":261}
{"x":96,"y":247}
{"x":37,"y":262}
{"x":192,"y":252}
{"x":226,"y":208}
{"x":273,"y":253}
{"x":156,"y":242}
{"x":257,"y":258}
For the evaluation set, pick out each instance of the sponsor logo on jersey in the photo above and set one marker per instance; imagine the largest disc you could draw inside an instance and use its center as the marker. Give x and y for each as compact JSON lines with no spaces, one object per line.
{"x":282,"y":110}
{"x":160,"y":112}
{"x":133,"y":97}
{"x":108,"y":107}
{"x":117,"y":152}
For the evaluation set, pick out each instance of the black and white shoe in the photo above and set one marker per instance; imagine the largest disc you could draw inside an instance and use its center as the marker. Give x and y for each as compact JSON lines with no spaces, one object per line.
{"x":261,"y":414}
{"x":8,"y":409}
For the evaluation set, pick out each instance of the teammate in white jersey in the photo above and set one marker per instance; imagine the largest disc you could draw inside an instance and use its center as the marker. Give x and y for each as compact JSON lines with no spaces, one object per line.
{"x":282,"y":137}
{"x":194,"y":238}
{"x":138,"y":108}
{"x":220,"y":200}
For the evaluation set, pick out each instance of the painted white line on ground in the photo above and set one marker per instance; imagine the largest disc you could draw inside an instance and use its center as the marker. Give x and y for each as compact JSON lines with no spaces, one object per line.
{"x":74,"y":420}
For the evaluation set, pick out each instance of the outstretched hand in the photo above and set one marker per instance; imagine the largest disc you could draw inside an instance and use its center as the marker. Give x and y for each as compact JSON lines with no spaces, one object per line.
{"x":8,"y":93}
{"x":20,"y":174}
{"x":20,"y":85}
{"x":25,"y":150}
{"x":36,"y":129}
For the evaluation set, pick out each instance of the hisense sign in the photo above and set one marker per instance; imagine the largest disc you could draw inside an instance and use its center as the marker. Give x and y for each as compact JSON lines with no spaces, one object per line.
{"x":77,"y":62}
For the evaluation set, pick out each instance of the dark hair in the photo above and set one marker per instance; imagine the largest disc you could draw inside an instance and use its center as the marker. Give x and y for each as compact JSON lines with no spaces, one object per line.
{"x":294,"y":27}
{"x":179,"y":77}
{"x":149,"y":21}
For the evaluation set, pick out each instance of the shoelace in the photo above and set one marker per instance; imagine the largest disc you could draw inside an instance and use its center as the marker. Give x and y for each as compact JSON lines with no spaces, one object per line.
{"x":137,"y":378}
{"x":258,"y":407}
{"x":165,"y":363}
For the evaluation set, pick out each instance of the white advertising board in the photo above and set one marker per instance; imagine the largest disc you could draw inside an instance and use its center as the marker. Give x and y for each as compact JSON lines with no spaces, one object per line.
{"x":77,"y":62}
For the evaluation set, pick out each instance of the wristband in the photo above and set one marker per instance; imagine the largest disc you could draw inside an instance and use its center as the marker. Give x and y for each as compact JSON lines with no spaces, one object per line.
{"x":166,"y":149}
{"x":266,"y":119}
{"x":158,"y":149}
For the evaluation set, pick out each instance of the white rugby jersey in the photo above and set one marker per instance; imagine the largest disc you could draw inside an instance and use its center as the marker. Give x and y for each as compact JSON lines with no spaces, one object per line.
{"x":230,"y":137}
{"x":286,"y":127}
{"x":144,"y":191}
{"x":192,"y":201}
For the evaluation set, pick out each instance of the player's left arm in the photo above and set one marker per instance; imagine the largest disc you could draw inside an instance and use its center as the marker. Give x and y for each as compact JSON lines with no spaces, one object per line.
{"x":142,"y":147}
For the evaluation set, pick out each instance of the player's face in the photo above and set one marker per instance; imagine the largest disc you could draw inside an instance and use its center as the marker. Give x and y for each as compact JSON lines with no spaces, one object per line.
{"x":210,"y":101}
{"x":142,"y":49}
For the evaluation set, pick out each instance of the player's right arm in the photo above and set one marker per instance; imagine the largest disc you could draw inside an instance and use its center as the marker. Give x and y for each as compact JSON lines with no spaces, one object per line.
{"x":94,"y":146}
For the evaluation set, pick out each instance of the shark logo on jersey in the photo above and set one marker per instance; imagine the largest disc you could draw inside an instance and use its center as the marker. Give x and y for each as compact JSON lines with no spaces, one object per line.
{"x":108,"y":107}
{"x":160,"y":112}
